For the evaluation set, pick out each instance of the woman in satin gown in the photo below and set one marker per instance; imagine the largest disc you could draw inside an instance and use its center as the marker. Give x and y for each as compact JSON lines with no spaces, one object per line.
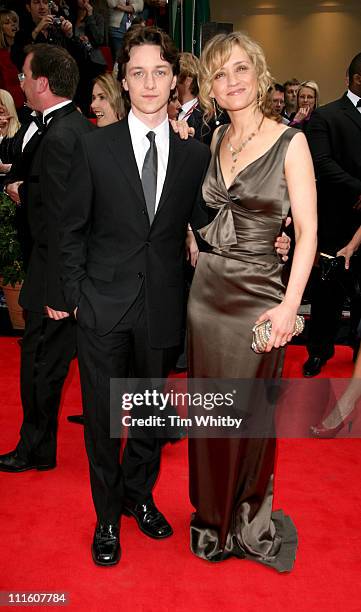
{"x":259,"y":169}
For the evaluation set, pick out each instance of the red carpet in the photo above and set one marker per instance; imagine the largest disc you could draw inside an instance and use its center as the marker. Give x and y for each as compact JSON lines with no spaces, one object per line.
{"x":47,"y":522}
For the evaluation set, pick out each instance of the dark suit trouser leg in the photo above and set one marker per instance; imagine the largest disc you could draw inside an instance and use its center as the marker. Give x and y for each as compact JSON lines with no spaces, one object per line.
{"x":47,"y":349}
{"x":141,"y":457}
{"x":102,"y":358}
{"x":328,"y":297}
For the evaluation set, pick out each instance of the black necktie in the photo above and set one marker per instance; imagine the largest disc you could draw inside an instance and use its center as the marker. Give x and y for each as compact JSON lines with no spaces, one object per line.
{"x":358,"y":103}
{"x":149,"y":176}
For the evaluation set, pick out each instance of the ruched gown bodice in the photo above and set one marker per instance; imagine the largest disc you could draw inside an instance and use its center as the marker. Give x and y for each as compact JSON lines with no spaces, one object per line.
{"x":240,"y":277}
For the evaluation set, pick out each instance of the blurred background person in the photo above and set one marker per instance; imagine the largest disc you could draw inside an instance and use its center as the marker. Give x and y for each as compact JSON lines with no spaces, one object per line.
{"x":107,"y":102}
{"x":174,"y":106}
{"x":278,"y":98}
{"x":275,"y":102}
{"x":11,"y":136}
{"x":334,"y":136}
{"x":188,"y":89}
{"x":9,"y":127}
{"x":308,"y":96}
{"x":290,"y":90}
{"x":9,"y":26}
{"x":121,"y":15}
{"x":89,"y":36}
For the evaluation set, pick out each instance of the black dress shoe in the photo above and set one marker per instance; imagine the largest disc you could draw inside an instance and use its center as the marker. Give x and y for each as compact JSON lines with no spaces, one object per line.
{"x":12,"y":462}
{"x":106,"y":546}
{"x":76,"y":418}
{"x":313,"y":366}
{"x":149,"y":519}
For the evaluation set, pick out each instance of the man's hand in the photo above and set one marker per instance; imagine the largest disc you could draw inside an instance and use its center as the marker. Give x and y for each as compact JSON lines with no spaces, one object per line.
{"x":347,"y":253}
{"x":66,"y":27}
{"x":192,"y":249}
{"x":57,"y":315}
{"x":283,"y":245}
{"x":4,"y":168}
{"x":182,"y":128}
{"x":12,"y":190}
{"x":42,"y":26}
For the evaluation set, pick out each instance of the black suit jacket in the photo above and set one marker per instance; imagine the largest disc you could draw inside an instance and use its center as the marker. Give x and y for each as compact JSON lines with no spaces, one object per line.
{"x":45,"y":184}
{"x":109,"y":247}
{"x":334,"y":137}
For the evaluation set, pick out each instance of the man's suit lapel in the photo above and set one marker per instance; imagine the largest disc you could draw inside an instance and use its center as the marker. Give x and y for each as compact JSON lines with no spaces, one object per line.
{"x":176,"y":159}
{"x":121,"y":147}
{"x":350,"y":110}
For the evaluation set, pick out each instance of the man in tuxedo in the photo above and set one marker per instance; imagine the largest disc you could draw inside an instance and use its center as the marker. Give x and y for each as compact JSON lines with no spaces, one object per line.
{"x":334,"y":137}
{"x":187,"y":88}
{"x":50,"y":76}
{"x":134,"y":188}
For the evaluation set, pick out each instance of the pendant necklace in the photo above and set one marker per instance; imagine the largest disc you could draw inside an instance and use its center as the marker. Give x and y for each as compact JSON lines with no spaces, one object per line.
{"x":235,"y":151}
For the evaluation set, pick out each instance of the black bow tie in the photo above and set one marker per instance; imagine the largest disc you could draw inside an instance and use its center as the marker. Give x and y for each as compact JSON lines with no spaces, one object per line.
{"x":38,"y":119}
{"x":358,"y":103}
{"x":42,"y":121}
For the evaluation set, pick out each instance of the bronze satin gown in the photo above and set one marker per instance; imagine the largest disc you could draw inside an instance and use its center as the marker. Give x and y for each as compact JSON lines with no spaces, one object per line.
{"x":231,"y":480}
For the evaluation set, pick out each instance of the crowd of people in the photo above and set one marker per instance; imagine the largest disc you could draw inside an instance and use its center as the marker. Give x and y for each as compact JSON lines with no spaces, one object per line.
{"x":204,"y":159}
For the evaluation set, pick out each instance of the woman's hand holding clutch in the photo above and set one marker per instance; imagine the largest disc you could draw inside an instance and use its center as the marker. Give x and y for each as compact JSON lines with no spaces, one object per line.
{"x":284,"y":324}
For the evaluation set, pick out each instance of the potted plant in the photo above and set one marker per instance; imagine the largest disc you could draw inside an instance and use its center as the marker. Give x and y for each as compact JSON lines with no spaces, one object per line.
{"x":11,"y":265}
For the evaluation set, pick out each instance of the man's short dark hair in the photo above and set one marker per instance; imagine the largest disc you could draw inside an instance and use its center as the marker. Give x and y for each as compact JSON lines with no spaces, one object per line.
{"x":279,"y":87}
{"x":355,"y":67}
{"x":148,"y":35}
{"x":57,"y":65}
{"x":293,"y":81}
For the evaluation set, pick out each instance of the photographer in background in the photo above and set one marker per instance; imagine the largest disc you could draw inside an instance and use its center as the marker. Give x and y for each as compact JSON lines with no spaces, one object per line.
{"x":40,"y":26}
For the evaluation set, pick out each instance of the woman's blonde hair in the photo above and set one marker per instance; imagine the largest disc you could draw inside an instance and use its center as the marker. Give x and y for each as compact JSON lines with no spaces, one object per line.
{"x":6,"y":100}
{"x":5,"y":14}
{"x":312,"y":85}
{"x":216,"y":53}
{"x":113,"y":92}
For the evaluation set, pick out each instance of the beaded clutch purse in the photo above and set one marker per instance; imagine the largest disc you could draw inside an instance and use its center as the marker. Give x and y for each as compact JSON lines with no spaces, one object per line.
{"x":262,"y":333}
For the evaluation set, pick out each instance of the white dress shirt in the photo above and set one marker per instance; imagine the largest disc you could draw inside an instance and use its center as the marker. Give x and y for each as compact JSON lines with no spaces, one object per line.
{"x":187,"y":108}
{"x":354,"y":99}
{"x":33,"y":128}
{"x":138,"y":133}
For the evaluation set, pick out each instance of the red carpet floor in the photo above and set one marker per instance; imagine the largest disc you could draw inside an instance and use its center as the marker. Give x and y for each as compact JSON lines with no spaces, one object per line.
{"x":47,"y":522}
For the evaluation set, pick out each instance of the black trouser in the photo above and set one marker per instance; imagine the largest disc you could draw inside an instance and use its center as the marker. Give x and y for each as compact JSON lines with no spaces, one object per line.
{"x":126,"y":348}
{"x":47,"y":349}
{"x":328,"y":297}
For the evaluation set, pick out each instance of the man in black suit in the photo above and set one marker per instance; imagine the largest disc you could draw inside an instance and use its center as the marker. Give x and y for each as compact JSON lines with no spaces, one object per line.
{"x":134,"y":188}
{"x":50,"y":76}
{"x":334,"y":137}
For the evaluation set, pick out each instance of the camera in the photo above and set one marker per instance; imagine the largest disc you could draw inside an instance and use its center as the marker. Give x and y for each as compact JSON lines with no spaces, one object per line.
{"x":57,"y":22}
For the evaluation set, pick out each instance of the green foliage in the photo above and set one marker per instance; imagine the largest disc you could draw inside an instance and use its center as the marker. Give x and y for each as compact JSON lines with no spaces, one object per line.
{"x":11,"y":265}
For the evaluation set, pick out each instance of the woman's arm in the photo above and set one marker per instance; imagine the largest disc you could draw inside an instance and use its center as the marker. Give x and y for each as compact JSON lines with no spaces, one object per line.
{"x":302,"y":191}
